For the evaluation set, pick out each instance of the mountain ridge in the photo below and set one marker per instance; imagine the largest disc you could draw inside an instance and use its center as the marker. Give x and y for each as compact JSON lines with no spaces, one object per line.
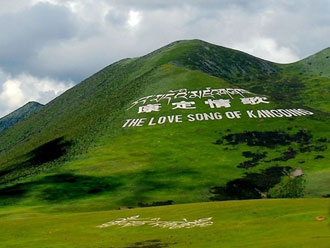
{"x":316,"y":64}
{"x":19,"y":114}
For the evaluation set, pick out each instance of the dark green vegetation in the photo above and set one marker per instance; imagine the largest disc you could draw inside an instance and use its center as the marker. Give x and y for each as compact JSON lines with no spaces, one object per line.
{"x":18,"y":115}
{"x":74,"y":151}
{"x":251,"y":185}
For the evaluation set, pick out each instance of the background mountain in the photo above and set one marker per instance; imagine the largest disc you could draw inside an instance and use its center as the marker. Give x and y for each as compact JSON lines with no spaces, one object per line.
{"x":74,"y":151}
{"x":19,"y":114}
{"x":317,"y":64}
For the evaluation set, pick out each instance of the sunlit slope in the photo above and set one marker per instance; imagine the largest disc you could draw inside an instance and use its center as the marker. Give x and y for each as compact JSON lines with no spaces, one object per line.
{"x":76,"y":152}
{"x":254,"y":223}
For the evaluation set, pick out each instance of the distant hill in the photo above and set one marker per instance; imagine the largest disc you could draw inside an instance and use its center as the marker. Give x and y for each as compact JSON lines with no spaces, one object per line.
{"x":18,"y":115}
{"x":315,"y":65}
{"x":189,"y":122}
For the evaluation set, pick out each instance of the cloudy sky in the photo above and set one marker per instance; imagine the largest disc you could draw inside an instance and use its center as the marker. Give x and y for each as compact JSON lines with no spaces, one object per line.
{"x":47,"y":46}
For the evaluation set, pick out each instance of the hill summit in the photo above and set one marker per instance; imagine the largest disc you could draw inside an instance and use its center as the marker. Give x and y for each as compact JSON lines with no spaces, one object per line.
{"x":19,"y":114}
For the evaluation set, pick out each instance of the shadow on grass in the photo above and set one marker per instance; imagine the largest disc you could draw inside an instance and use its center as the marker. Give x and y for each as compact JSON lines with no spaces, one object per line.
{"x":269,"y":139}
{"x":49,"y":151}
{"x":147,"y":182}
{"x":58,"y":188}
{"x":136,"y":187}
{"x":156,"y":243}
{"x":45,"y":153}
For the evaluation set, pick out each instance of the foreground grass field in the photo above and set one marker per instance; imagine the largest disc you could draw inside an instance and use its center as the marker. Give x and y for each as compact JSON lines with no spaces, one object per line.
{"x":252,"y":223}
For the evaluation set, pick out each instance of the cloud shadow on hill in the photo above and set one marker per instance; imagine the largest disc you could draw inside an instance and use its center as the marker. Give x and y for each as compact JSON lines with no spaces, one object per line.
{"x":44,"y":153}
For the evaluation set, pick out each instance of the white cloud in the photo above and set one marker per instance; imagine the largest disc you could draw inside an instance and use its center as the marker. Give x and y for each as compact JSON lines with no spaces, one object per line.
{"x":134,"y":18}
{"x":12,"y":6}
{"x":268,"y":49}
{"x":16,"y":91}
{"x":12,"y":95}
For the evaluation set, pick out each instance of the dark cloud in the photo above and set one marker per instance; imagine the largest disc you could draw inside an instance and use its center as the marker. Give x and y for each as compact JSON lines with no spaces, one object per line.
{"x":116,"y":17}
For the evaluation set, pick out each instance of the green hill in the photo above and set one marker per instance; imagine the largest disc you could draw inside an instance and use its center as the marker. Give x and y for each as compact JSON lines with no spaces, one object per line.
{"x":84,"y":149}
{"x":315,"y":65}
{"x":18,"y":115}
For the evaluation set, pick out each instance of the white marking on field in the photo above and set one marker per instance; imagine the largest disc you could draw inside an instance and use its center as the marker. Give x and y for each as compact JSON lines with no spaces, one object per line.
{"x":156,"y":222}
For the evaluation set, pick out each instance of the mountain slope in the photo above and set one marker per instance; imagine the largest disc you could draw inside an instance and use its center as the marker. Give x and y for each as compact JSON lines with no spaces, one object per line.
{"x":315,"y":65}
{"x":79,"y":113}
{"x":75,"y":151}
{"x":18,"y":115}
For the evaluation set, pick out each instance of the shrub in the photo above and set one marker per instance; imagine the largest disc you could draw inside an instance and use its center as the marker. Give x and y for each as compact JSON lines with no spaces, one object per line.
{"x":289,"y":188}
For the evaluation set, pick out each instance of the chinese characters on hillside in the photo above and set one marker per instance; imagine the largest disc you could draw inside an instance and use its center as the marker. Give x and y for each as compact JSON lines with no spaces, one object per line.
{"x":214,"y":99}
{"x":184,"y":99}
{"x":216,"y":103}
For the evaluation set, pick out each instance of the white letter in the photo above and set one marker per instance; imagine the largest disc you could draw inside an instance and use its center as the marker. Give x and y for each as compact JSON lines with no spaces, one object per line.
{"x":237,"y":114}
{"x":151,"y":123}
{"x":217,"y":116}
{"x":190,"y":117}
{"x":250,"y":114}
{"x":141,"y":122}
{"x":127,"y":121}
{"x":230,"y":115}
{"x":178,"y":118}
{"x":161,"y":120}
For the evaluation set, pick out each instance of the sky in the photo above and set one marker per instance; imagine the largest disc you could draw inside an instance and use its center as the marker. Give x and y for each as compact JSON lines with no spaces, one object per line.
{"x":48,"y":46}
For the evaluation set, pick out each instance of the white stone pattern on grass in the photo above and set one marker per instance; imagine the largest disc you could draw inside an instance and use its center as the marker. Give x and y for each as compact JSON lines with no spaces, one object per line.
{"x":156,"y":222}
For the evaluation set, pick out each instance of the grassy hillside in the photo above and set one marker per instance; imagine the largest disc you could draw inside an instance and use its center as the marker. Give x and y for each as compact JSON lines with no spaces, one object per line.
{"x":75,"y":152}
{"x":315,"y":65}
{"x":254,"y":223}
{"x":18,"y":115}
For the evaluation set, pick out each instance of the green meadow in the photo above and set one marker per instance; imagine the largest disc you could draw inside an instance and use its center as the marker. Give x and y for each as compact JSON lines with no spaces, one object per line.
{"x":252,"y":223}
